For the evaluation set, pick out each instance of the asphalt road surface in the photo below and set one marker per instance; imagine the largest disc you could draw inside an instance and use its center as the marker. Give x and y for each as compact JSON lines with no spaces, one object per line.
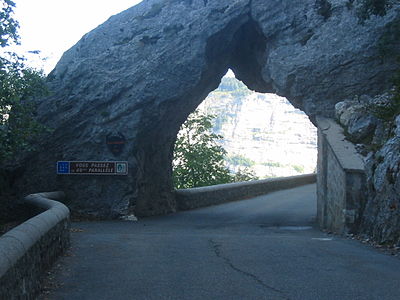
{"x":263,"y":248}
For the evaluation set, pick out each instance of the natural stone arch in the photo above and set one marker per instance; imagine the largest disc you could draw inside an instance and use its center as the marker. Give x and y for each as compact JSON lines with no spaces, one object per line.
{"x":143,"y":71}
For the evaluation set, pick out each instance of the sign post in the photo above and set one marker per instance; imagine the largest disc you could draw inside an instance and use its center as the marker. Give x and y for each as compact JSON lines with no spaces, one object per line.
{"x":92,"y":168}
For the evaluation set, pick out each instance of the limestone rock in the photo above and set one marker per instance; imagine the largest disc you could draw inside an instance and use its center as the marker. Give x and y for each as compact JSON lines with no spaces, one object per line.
{"x":347,"y":112}
{"x":359,"y":123}
{"x":144,"y":70}
{"x":382,"y":213}
{"x":397,"y":127}
{"x":255,"y":128}
{"x":381,"y":218}
{"x":362,"y":128}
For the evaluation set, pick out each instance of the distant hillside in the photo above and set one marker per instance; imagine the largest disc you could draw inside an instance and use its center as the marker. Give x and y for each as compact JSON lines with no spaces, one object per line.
{"x":263,"y":132}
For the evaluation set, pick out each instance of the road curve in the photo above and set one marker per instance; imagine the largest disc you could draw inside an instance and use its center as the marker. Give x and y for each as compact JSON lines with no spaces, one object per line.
{"x":263,"y":248}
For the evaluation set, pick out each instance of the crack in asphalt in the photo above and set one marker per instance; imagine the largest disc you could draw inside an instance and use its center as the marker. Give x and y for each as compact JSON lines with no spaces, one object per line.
{"x":218,"y":252}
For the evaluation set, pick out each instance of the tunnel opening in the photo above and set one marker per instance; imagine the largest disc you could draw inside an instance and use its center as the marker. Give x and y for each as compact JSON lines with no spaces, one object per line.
{"x":249,"y":136}
{"x":241,"y":46}
{"x":142,"y":75}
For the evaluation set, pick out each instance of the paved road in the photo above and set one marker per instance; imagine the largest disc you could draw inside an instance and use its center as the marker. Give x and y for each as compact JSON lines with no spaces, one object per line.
{"x":263,"y":248}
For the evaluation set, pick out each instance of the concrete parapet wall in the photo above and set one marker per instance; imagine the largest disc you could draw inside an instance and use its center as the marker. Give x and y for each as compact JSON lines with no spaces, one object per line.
{"x":30,"y":248}
{"x":217,"y":194}
{"x":340,"y":181}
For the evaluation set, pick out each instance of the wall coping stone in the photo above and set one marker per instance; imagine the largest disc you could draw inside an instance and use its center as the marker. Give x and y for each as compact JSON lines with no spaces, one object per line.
{"x":216,"y":194}
{"x":344,"y":150}
{"x":24,"y":244}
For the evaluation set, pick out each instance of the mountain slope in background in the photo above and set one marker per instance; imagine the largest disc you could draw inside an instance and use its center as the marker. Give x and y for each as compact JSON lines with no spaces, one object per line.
{"x":262,"y":132}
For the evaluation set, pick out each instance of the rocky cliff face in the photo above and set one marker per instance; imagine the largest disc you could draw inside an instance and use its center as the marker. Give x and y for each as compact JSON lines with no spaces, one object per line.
{"x":367,"y":123}
{"x":263,"y":133}
{"x":143,"y":71}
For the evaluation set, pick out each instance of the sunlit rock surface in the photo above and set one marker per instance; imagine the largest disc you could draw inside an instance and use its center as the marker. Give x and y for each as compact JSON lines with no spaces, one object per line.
{"x":263,"y":133}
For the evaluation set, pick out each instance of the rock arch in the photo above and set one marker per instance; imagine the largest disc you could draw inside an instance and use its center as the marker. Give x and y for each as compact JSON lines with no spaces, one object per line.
{"x":144,"y":70}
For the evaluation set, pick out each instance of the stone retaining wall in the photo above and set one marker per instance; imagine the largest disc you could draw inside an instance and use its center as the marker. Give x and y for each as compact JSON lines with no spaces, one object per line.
{"x":29,"y":249}
{"x":217,"y":194}
{"x":340,"y":181}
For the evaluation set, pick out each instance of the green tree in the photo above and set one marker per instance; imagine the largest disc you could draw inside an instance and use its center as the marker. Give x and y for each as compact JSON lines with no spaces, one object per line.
{"x":240,"y":160}
{"x":244,"y":174}
{"x":198,"y":159}
{"x":18,"y":85}
{"x":8,"y":25}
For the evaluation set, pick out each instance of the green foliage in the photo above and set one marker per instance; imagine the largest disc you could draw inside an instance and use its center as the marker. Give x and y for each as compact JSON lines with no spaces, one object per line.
{"x":198,"y":159}
{"x":18,"y":85}
{"x":298,"y":168}
{"x":244,"y":174}
{"x":8,"y":25}
{"x":240,"y":160}
{"x":273,"y":164}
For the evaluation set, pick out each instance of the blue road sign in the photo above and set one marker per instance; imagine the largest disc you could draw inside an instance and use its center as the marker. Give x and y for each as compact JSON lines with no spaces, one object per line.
{"x":63,"y":167}
{"x":92,"y":167}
